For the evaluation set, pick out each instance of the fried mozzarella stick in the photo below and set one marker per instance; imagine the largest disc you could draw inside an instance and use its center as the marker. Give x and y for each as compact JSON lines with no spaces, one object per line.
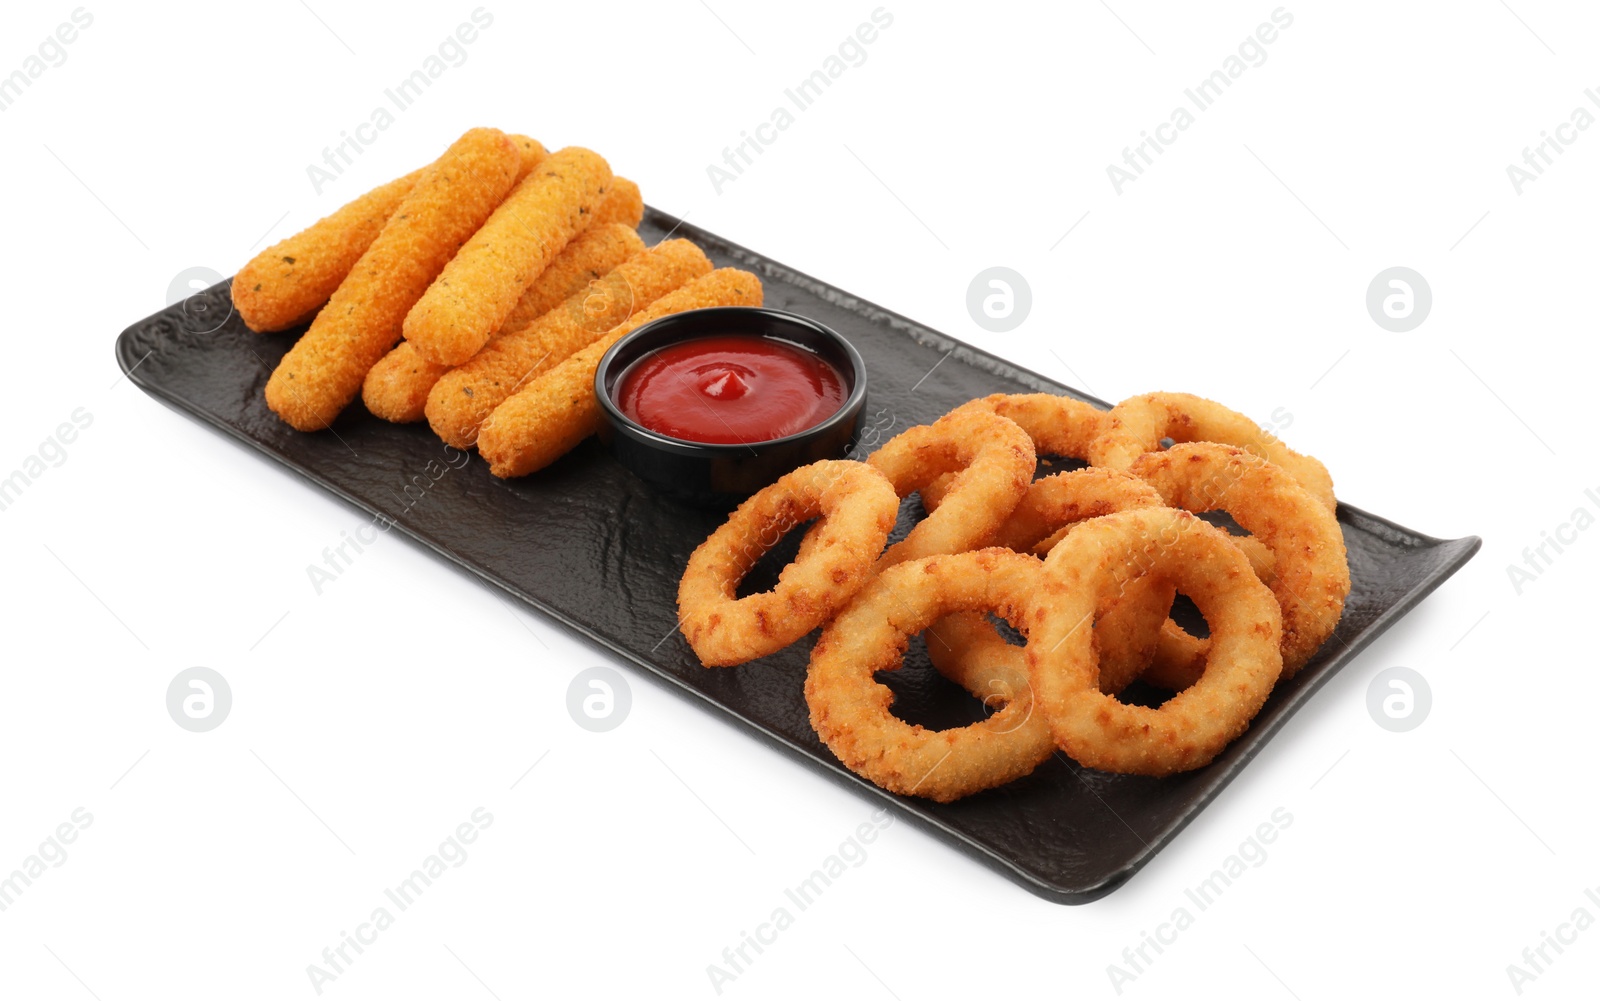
{"x":549,"y":417}
{"x":465,"y":397}
{"x":322,"y":373}
{"x":532,"y":152}
{"x":288,"y":282}
{"x":479,"y":288}
{"x":622,"y":204}
{"x":397,"y":387}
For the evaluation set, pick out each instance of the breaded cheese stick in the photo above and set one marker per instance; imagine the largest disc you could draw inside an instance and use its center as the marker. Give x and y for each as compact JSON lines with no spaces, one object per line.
{"x":463,"y":398}
{"x":547,"y":418}
{"x":362,"y":321}
{"x":289,"y":281}
{"x":624,"y":203}
{"x":396,"y":388}
{"x":532,"y":152}
{"x":479,"y":287}
{"x":620,"y":205}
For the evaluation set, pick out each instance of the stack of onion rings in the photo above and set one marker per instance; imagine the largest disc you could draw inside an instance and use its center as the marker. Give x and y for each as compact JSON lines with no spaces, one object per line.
{"x":1119,"y":539}
{"x":1190,"y":729}
{"x":1128,"y":632}
{"x":1311,"y":575}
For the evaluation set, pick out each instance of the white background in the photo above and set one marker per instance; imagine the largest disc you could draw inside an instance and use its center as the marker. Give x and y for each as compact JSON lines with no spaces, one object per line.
{"x":370,"y":720}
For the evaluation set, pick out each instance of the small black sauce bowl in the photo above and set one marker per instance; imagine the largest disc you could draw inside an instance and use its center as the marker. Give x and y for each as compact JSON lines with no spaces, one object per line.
{"x":717,"y":475}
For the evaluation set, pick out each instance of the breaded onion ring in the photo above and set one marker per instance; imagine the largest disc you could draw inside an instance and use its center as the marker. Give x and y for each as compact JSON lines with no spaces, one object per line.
{"x":857,"y":509}
{"x":1261,"y":559}
{"x":1133,"y":637}
{"x":1311,"y":576}
{"x":1138,"y":425}
{"x":1128,"y":631}
{"x":1095,"y":560}
{"x":850,"y":709}
{"x":1179,"y":657}
{"x":1061,"y":500}
{"x":995,"y":459}
{"x":967,"y":649}
{"x":1058,"y":425}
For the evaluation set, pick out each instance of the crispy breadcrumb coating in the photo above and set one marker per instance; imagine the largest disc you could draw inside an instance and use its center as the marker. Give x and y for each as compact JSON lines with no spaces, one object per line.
{"x":323,"y":372}
{"x":396,"y":388}
{"x":478,"y":288}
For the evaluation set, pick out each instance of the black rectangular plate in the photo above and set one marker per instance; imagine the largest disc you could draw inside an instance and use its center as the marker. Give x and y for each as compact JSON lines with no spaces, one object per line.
{"x":588,"y":545}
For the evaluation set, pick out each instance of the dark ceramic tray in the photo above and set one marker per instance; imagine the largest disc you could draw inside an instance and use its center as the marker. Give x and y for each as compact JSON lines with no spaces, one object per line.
{"x":588,"y":545}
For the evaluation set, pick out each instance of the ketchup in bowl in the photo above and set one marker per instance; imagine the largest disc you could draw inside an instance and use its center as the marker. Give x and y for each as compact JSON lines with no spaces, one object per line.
{"x":708,"y":406}
{"x":730,"y":389}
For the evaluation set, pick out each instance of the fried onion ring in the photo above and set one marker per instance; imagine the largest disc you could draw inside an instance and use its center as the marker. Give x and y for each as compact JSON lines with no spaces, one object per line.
{"x":857,"y":508}
{"x":1127,"y":634}
{"x":1061,"y":500}
{"x":1177,"y":658}
{"x":1261,"y":559}
{"x":1311,"y":574}
{"x":966,"y":649}
{"x":1138,"y":424}
{"x":1096,"y":560}
{"x":1058,"y":425}
{"x":1133,"y":634}
{"x":850,"y":709}
{"x":996,"y":461}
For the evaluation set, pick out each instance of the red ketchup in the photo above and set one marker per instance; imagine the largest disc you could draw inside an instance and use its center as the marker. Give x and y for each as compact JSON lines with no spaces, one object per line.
{"x":730,"y":389}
